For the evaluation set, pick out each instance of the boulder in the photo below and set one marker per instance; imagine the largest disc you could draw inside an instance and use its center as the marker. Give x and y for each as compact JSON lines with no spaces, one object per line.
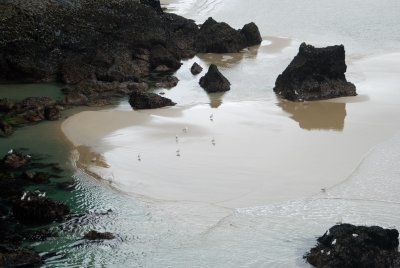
{"x":94,"y":235}
{"x":146,"y":100}
{"x":196,"y":69}
{"x":252,"y":34}
{"x":219,"y":37}
{"x":347,"y":245}
{"x":35,"y":209}
{"x":11,"y":256}
{"x":214,"y":81}
{"x":6,"y":105}
{"x":52,"y":113}
{"x":160,"y":56}
{"x":315,"y":74}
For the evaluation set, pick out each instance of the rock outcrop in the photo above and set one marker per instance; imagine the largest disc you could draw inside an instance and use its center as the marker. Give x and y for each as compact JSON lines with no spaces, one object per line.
{"x":346,"y":245}
{"x":315,"y":74}
{"x":147,"y":100}
{"x":35,"y":209}
{"x":11,"y":256}
{"x":214,"y":81}
{"x":219,"y":37}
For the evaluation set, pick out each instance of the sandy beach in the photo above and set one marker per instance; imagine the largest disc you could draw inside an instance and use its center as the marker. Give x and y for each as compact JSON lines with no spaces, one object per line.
{"x":253,"y":152}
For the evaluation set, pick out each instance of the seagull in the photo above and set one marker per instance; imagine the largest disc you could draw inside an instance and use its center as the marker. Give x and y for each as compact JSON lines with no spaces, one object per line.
{"x":355,"y":235}
{"x":42,"y":195}
{"x":185,"y":129}
{"x":212,"y":117}
{"x":178,"y":152}
{"x":29,"y":199}
{"x":213,"y":141}
{"x":11,"y":151}
{"x":329,"y":253}
{"x":23,"y":196}
{"x":139,"y":158}
{"x":334,"y":242}
{"x":327,"y":232}
{"x":28,"y":156}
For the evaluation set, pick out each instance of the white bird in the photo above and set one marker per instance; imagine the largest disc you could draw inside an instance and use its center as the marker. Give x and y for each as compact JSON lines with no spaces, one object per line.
{"x":11,"y":151}
{"x":29,"y":199}
{"x":28,"y":156}
{"x":23,"y":196}
{"x":329,"y":253}
{"x":42,"y":194}
{"x":334,"y":242}
{"x":327,"y":232}
{"x":185,"y":129}
{"x":355,"y":235}
{"x":139,"y":158}
{"x":178,"y":152}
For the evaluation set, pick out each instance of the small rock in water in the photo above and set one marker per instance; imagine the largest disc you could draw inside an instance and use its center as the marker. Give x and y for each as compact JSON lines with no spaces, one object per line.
{"x":214,"y":81}
{"x":196,"y":69}
{"x":94,"y":235}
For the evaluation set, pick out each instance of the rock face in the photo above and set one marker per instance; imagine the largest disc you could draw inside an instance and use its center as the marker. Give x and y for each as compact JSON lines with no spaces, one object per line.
{"x":214,"y":81}
{"x":219,"y":37}
{"x":11,"y":256}
{"x":196,"y":69}
{"x":94,"y":235}
{"x":34,"y":209}
{"x":315,"y":74}
{"x":346,"y":245}
{"x":146,"y":100}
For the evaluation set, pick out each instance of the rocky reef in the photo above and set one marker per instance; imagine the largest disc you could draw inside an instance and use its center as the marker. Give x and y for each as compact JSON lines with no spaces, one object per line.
{"x":315,"y":74}
{"x":347,"y":245}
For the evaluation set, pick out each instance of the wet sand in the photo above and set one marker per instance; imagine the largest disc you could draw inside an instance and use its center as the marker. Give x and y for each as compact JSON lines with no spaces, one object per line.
{"x":252,"y":153}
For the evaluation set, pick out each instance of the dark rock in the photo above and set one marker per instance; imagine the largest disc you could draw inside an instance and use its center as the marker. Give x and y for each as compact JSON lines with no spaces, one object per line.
{"x":75,"y":98}
{"x":15,"y":160}
{"x":167,"y":82}
{"x":94,"y":235}
{"x":315,"y":74}
{"x":6,"y":105}
{"x":5,"y":129}
{"x":145,"y":100}
{"x":196,"y":69}
{"x":161,"y":56}
{"x":35,"y":103}
{"x":214,"y":81}
{"x":39,"y":235}
{"x":252,"y":34}
{"x":75,"y":70}
{"x":155,"y":4}
{"x":36,"y":177}
{"x":219,"y":37}
{"x":11,"y":256}
{"x":181,"y":35}
{"x":346,"y":245}
{"x":35,"y":209}
{"x":52,"y":113}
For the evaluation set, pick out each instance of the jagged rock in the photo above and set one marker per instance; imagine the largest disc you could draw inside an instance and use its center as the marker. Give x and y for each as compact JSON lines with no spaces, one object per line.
{"x":35,"y":209}
{"x":346,"y":245}
{"x":15,"y":160}
{"x":214,"y":81}
{"x":94,"y":235}
{"x":5,"y":129}
{"x":315,"y":74}
{"x":167,"y":82}
{"x":160,"y":56}
{"x":52,"y":113}
{"x":219,"y":37}
{"x":252,"y":34}
{"x":146,"y":100}
{"x":11,"y":256}
{"x":196,"y":69}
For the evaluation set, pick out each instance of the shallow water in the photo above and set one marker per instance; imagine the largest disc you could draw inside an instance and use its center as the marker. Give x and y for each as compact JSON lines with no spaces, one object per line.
{"x":154,"y":232}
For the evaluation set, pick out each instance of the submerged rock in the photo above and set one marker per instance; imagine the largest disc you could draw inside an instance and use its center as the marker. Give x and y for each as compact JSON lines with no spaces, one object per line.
{"x":94,"y":235}
{"x":146,"y":100}
{"x":196,"y":69}
{"x":315,"y":74}
{"x":219,"y":37}
{"x":346,"y":245}
{"x":214,"y":81}
{"x":35,"y":209}
{"x":5,"y":129}
{"x":11,"y":256}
